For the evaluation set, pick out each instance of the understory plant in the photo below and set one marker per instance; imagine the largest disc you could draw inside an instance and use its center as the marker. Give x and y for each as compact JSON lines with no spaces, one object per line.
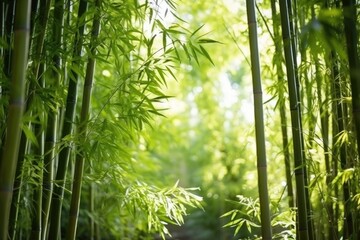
{"x":245,"y":219}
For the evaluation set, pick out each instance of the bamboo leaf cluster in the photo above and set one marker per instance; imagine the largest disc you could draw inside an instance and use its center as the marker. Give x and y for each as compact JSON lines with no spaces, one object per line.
{"x":316,"y":59}
{"x":70,"y":127}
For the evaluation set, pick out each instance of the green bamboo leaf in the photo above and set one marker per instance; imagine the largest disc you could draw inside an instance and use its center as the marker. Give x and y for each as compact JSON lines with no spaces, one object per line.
{"x":159,"y":23}
{"x":206,"y":54}
{"x":248,"y":226}
{"x":164,"y":36}
{"x":159,"y":99}
{"x":30,"y":134}
{"x":356,"y":199}
{"x":177,"y":17}
{"x":175,"y":31}
{"x":347,"y":175}
{"x":162,"y":75}
{"x":197,"y":30}
{"x":207,"y":40}
{"x":237,"y":229}
{"x":186,"y":51}
{"x":194,"y":49}
{"x":228,"y":213}
{"x":342,"y":138}
{"x":176,"y":50}
{"x":234,"y":222}
{"x":234,"y":215}
{"x":171,"y":72}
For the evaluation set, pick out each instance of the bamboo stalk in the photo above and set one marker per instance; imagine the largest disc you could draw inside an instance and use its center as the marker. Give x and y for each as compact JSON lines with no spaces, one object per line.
{"x":92,"y":209}
{"x":2,"y":20}
{"x":309,"y":92}
{"x":52,"y":122}
{"x":351,"y":35}
{"x":82,"y":129}
{"x":293,"y":23}
{"x":336,"y":107}
{"x":8,"y":18}
{"x":350,"y":16}
{"x":14,"y":212}
{"x":2,"y":36}
{"x":64,"y":154}
{"x":265,"y":217}
{"x":40,"y":25}
{"x":339,"y":152}
{"x":282,"y":108}
{"x":49,"y":157}
{"x":36,"y":227}
{"x":296,"y":123}
{"x":16,"y":107}
{"x":324,"y":127}
{"x":40,"y":29}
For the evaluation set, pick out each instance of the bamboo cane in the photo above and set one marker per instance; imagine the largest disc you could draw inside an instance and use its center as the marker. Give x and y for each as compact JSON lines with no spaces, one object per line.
{"x":16,"y":107}
{"x":266,"y":231}
{"x":36,"y":227}
{"x":52,"y":123}
{"x":339,"y":152}
{"x":282,"y":108}
{"x":40,"y":29}
{"x":8,"y":17}
{"x":64,"y":154}
{"x":324,"y":124}
{"x":8,"y":28}
{"x":296,"y":123}
{"x":351,"y":35}
{"x":80,"y":157}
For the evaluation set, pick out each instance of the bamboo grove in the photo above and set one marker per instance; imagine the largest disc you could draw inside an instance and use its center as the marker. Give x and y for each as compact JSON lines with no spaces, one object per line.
{"x":83,"y":136}
{"x":316,"y":67}
{"x":68,"y":131}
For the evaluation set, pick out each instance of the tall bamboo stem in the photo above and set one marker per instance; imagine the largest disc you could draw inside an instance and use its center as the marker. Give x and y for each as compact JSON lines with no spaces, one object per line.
{"x":9,"y":24}
{"x":36,"y":228}
{"x":295,"y":122}
{"x":67,"y":127}
{"x":16,"y":107}
{"x":8,"y":18}
{"x":340,"y":152}
{"x":52,"y":122}
{"x":351,"y":35}
{"x":14,"y":212}
{"x":335,"y":89}
{"x":282,"y":109}
{"x":350,"y":22}
{"x":324,"y":124}
{"x":37,"y":52}
{"x":82,"y":129}
{"x":265,"y":217}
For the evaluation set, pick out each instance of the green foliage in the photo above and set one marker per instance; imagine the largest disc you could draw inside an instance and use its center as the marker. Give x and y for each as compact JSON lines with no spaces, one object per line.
{"x":246,"y":215}
{"x":139,"y":49}
{"x":172,"y":105}
{"x":159,"y":206}
{"x":285,"y":224}
{"x":322,"y":33}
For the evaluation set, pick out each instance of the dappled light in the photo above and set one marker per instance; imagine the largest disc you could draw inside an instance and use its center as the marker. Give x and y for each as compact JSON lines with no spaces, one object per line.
{"x":182,"y":120}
